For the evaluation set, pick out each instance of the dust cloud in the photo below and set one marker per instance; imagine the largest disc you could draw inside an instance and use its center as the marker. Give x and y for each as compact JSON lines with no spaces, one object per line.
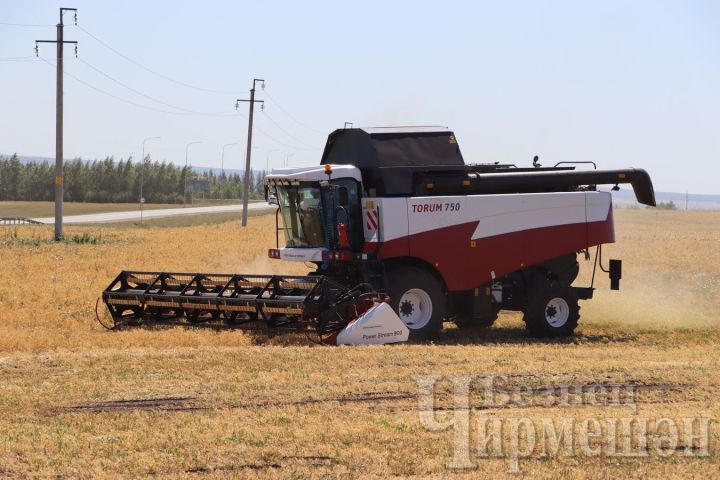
{"x":653,"y":303}
{"x":260,"y":265}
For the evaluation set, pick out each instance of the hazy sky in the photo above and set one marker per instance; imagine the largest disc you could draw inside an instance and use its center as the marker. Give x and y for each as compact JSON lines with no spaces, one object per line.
{"x":620,"y":83}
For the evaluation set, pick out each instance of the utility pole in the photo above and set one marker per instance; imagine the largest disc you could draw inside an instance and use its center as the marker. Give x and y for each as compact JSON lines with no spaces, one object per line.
{"x":142,"y":177}
{"x":59,"y":120}
{"x":287,"y":157}
{"x":187,"y":149}
{"x":222,"y":170}
{"x":246,"y":182}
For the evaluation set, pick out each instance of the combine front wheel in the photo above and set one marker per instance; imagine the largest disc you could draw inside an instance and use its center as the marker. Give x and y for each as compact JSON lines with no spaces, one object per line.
{"x":552,"y":310}
{"x":418,"y":299}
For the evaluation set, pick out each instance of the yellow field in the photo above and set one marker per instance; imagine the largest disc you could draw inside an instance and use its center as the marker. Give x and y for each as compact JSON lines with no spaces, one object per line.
{"x":78,"y":401}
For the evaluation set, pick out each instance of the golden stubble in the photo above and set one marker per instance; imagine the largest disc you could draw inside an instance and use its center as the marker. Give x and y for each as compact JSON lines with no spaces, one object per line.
{"x":80,"y":402}
{"x":48,"y":291}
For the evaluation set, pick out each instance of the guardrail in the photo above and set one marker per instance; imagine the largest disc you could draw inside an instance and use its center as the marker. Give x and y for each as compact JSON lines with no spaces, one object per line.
{"x":18,"y":221}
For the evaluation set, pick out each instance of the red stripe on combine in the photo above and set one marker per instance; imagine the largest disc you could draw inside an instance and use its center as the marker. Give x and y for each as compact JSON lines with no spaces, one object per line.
{"x":465,"y":264}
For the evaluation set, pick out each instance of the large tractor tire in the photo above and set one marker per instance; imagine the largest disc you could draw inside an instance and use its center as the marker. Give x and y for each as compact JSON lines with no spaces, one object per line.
{"x":552,"y":310}
{"x":419,"y":300}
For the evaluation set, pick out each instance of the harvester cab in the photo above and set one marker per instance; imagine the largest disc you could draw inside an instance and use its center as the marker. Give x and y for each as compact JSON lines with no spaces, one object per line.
{"x":404,"y":235}
{"x":318,"y":212}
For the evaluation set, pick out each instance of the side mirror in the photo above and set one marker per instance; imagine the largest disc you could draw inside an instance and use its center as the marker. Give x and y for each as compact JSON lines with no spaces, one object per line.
{"x":343,"y":196}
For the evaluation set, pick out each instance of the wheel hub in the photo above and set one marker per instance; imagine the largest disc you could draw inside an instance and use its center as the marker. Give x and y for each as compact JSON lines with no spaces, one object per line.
{"x":415,"y":308}
{"x":406,"y":309}
{"x":557,"y":312}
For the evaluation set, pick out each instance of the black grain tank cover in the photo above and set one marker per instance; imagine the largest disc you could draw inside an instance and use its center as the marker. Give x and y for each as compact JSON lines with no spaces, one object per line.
{"x":389,"y":157}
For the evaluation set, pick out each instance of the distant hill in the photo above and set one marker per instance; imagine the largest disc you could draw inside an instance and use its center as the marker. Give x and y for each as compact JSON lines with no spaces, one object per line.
{"x":625,"y":196}
{"x":30,"y":159}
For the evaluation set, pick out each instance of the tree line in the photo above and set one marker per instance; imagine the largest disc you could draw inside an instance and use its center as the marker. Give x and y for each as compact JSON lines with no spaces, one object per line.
{"x":106,"y":181}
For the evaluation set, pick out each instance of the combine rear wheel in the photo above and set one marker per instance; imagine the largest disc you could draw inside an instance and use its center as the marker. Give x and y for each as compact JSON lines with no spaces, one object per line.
{"x":552,"y":310}
{"x":418,"y":298}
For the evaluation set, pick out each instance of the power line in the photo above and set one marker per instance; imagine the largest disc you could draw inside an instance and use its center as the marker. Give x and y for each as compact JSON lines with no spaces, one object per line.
{"x":139,"y":105}
{"x":190,"y":114}
{"x":278,"y":141}
{"x":292,"y":117}
{"x":286,"y":132}
{"x":30,"y":58}
{"x":165,"y":77}
{"x":148,"y":96}
{"x":25,"y":24}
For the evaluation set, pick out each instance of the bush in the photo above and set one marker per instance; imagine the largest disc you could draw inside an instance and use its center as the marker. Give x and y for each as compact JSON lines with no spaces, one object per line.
{"x":667,"y":205}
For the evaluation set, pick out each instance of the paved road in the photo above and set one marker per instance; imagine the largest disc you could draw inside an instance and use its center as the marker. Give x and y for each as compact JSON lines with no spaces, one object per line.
{"x":134,"y":215}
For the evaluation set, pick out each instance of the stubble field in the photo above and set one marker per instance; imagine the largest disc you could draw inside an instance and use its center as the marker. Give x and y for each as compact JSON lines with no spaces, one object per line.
{"x":81,"y":402}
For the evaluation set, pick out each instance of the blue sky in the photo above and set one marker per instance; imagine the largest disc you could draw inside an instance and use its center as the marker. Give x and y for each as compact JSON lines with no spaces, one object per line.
{"x":619,"y":83}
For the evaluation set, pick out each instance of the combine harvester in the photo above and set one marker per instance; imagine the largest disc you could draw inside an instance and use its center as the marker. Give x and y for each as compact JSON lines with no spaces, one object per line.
{"x":405,"y":235}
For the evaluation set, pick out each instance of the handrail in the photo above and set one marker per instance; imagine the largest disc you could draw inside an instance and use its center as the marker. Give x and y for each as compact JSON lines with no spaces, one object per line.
{"x":578,"y":162}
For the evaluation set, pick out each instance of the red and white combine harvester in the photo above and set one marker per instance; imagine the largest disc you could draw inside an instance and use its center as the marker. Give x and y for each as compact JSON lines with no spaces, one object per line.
{"x":404,"y":236}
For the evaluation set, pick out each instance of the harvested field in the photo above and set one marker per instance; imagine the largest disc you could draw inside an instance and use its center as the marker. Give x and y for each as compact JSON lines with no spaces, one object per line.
{"x":189,"y":402}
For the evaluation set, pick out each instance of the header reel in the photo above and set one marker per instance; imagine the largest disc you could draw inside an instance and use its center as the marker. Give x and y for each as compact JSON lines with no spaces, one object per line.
{"x":310,"y":303}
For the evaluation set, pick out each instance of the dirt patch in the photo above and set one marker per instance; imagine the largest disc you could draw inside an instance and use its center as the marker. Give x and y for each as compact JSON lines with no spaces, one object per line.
{"x":230,"y":468}
{"x":282,"y":462}
{"x":190,"y":403}
{"x":164,"y":403}
{"x":363,"y":397}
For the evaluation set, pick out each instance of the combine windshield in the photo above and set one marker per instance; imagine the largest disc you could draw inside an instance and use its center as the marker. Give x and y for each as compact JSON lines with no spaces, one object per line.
{"x":301,"y":208}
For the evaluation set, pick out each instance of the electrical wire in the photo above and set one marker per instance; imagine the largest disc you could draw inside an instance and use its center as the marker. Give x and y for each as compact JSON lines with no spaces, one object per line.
{"x":184,"y":112}
{"x":165,"y":77}
{"x":26,"y":24}
{"x":292,"y":117}
{"x":288,"y":133}
{"x":145,"y":95}
{"x":139,"y":105}
{"x":278,"y":141}
{"x":30,"y":58}
{"x":153,"y":109}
